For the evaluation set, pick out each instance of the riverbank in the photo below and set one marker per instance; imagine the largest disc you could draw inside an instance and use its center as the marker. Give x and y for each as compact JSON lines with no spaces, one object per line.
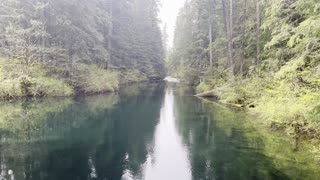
{"x":284,"y":105}
{"x":18,"y":80}
{"x":207,"y":141}
{"x":266,"y":61}
{"x":272,"y":137}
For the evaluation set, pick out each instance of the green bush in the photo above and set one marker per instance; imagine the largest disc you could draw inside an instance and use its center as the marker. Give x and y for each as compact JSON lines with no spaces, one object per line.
{"x":15,"y":82}
{"x":44,"y":86}
{"x":10,"y":88}
{"x":132,"y":75}
{"x":203,"y":87}
{"x":92,"y":79}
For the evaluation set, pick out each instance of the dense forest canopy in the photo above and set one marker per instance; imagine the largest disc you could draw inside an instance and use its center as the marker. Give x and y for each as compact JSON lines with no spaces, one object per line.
{"x":261,"y":54}
{"x":241,"y":35}
{"x":90,"y":46}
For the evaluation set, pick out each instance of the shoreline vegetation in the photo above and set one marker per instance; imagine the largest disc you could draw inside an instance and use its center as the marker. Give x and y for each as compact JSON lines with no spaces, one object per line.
{"x":88,"y":80}
{"x":292,"y":111}
{"x":298,"y":145}
{"x":263,"y":56}
{"x":294,"y":116}
{"x":48,"y":50}
{"x":288,"y":105}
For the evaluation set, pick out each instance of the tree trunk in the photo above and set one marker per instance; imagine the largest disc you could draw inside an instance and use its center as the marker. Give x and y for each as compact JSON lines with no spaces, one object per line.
{"x":226,"y":25}
{"x":258,"y":31}
{"x":43,"y":39}
{"x":210,"y":44}
{"x":242,"y":54}
{"x":227,"y":8}
{"x":242,"y":62}
{"x":230,"y":43}
{"x":110,"y":32}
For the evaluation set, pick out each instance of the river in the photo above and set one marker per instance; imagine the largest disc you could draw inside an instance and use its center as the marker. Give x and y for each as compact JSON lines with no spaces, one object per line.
{"x":146,"y":131}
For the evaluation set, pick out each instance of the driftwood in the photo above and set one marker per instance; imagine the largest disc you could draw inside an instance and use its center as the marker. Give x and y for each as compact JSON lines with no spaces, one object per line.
{"x":208,"y":94}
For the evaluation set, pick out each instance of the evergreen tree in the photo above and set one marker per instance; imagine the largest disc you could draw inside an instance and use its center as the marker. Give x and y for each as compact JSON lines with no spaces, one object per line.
{"x":70,"y":39}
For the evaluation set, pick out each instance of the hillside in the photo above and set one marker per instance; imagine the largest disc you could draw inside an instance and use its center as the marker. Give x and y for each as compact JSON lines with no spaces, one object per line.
{"x":58,"y":48}
{"x":262,"y":55}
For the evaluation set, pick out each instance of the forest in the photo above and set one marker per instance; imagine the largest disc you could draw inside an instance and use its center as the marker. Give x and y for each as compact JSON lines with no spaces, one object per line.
{"x":263,"y":55}
{"x":111,"y":89}
{"x":60,"y":48}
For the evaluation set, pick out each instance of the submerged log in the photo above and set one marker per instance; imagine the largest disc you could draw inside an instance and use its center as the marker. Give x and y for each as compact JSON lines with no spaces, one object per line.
{"x":208,"y":94}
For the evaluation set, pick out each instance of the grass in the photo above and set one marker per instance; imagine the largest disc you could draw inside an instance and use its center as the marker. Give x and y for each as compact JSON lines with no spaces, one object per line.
{"x":16,"y":80}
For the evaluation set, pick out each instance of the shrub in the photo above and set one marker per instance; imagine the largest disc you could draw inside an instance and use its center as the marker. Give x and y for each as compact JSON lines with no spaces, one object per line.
{"x":92,"y":79}
{"x":45,"y":86}
{"x":10,"y":88}
{"x":132,"y":75}
{"x":15,"y":82}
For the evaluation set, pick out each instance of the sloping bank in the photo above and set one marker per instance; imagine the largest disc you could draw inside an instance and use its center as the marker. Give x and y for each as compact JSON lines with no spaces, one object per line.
{"x":291,"y":105}
{"x":18,"y":80}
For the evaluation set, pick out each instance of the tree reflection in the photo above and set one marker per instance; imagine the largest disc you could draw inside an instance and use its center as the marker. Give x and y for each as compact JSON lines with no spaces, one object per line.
{"x":131,"y":131}
{"x":224,"y":145}
{"x":110,"y":137}
{"x":98,"y":137}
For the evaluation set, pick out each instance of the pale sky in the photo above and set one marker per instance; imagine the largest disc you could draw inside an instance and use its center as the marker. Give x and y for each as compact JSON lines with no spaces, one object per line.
{"x":168,"y":13}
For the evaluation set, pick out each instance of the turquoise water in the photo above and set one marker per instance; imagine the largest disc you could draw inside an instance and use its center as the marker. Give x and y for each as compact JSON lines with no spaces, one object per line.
{"x":146,"y":131}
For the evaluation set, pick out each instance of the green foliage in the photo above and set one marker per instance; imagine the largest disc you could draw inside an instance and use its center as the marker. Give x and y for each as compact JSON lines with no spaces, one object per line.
{"x":213,"y":78}
{"x":203,"y":87}
{"x":91,"y":79}
{"x":132,"y":75}
{"x":44,"y":86}
{"x":283,"y":86}
{"x":44,"y":45}
{"x":202,"y":35}
{"x":15,"y":84}
{"x":10,"y":89}
{"x":188,"y":75}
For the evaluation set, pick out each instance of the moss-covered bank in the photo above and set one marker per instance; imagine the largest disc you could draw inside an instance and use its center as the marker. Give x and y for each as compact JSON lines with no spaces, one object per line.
{"x":265,"y":55}
{"x":291,"y":105}
{"x":19,"y":80}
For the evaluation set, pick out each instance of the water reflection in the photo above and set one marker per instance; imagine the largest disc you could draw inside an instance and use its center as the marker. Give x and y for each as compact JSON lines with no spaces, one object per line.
{"x":168,"y":158}
{"x":223,"y":144}
{"x":146,"y":132}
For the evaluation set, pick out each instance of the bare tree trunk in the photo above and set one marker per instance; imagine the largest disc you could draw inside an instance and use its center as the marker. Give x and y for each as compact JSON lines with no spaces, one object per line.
{"x":228,"y":23}
{"x":43,"y":39}
{"x":226,"y":26}
{"x":230,"y":41}
{"x":224,"y":11}
{"x":210,"y":45}
{"x":242,"y":60}
{"x":258,"y":31}
{"x":26,"y":53}
{"x":110,"y":32}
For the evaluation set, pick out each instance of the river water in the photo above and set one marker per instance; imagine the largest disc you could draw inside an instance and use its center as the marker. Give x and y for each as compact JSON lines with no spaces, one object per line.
{"x":146,"y":131}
